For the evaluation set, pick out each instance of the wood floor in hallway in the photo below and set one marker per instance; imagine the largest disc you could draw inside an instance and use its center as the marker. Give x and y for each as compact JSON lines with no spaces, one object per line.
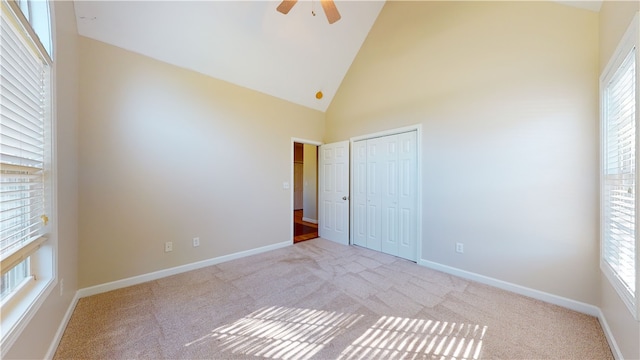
{"x":303,"y":230}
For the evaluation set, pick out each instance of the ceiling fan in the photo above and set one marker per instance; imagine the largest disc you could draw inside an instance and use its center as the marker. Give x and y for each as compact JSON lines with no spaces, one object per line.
{"x":328,"y":6}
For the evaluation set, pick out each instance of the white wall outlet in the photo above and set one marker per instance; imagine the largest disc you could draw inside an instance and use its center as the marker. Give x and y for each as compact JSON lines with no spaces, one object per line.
{"x":168,"y":246}
{"x":196,"y":241}
{"x":459,"y":248}
{"x":61,"y":287}
{"x":285,"y":185}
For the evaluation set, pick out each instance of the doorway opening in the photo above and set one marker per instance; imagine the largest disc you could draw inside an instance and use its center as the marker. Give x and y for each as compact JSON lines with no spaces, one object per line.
{"x":305,"y":191}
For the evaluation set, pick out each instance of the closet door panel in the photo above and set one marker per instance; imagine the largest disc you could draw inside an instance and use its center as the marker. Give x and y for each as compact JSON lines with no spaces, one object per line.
{"x":384,"y":194}
{"x":359,"y":194}
{"x":389,"y":194}
{"x":374,"y":196}
{"x":407,"y":196}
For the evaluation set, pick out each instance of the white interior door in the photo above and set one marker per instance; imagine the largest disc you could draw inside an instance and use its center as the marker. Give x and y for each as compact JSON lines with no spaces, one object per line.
{"x":333,"y":167}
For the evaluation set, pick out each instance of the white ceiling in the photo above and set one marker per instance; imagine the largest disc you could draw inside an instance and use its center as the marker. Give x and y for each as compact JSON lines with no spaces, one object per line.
{"x":247,"y":43}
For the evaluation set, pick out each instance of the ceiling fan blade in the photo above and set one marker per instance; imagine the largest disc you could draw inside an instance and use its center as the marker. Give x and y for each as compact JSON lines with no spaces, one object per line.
{"x":286,"y":5}
{"x":330,"y":10}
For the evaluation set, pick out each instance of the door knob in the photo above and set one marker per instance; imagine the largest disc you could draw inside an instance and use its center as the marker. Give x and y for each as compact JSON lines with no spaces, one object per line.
{"x":344,"y":198}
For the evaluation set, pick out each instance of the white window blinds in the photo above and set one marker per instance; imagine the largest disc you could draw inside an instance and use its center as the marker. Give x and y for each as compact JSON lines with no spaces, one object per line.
{"x":23,"y":89}
{"x":619,"y":177}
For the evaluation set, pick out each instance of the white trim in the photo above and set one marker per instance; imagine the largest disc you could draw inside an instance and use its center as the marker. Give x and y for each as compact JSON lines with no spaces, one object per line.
{"x":38,"y":292}
{"x":313,"y":221}
{"x":518,"y":289}
{"x":629,"y":40}
{"x":418,"y":129}
{"x":304,"y":141}
{"x":34,"y":297}
{"x":63,"y":325}
{"x":291,"y":178}
{"x":617,"y":354}
{"x":405,"y":129}
{"x":135,"y":280}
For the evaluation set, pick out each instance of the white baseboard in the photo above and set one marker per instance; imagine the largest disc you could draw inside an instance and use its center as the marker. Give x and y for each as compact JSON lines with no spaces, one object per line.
{"x":617,"y":354}
{"x":63,"y":325}
{"x":536,"y":294}
{"x":518,"y":289}
{"x":135,"y":280}
{"x":313,"y":221}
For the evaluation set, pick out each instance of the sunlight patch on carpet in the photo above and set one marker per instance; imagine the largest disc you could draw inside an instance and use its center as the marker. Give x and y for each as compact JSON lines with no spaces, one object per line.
{"x":281,"y":332}
{"x":395,"y":338}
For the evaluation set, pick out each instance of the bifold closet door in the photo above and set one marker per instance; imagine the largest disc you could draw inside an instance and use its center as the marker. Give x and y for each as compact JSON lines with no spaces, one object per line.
{"x":375,"y":165}
{"x":388,"y":178}
{"x":359,"y":192}
{"x":407,"y":196}
{"x":384,"y":194}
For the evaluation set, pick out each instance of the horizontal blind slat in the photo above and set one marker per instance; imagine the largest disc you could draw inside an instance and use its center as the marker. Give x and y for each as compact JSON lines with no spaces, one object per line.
{"x":20,"y":234}
{"x":20,"y":133}
{"x":9,"y":247}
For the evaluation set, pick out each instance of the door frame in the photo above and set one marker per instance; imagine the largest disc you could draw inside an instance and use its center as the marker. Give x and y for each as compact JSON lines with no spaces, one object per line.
{"x":291,"y":192}
{"x":418,"y":129}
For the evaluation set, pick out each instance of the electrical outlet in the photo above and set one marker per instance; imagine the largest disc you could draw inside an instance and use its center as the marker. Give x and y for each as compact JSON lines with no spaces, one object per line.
{"x":61,"y":287}
{"x":460,"y":248}
{"x":168,"y":246}
{"x":196,"y":241}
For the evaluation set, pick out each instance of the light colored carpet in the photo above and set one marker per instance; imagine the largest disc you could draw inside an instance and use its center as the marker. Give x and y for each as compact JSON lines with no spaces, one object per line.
{"x":320,"y":300}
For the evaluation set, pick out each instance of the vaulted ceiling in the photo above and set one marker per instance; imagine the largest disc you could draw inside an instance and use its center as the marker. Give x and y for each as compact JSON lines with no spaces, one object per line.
{"x":247,"y":43}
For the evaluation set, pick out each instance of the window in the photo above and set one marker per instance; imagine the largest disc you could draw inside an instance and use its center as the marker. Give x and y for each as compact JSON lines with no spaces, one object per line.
{"x":25,"y":161}
{"x":619,"y":115}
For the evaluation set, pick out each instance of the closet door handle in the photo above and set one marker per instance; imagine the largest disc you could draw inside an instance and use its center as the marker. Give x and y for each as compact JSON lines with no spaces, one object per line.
{"x":345,"y":198}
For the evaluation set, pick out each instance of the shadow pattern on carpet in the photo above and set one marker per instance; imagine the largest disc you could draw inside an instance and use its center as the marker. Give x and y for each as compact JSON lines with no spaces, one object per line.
{"x":321,"y":300}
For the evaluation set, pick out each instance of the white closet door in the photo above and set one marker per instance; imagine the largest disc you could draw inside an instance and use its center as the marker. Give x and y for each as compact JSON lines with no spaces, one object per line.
{"x":385,"y":194}
{"x":407,"y":196}
{"x":389,"y":194}
{"x":359,"y":194}
{"x":374,"y":196}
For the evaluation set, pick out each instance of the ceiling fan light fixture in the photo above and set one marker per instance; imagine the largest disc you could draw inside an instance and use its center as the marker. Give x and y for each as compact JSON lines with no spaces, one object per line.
{"x":328,"y":6}
{"x":286,"y":5}
{"x":330,"y":10}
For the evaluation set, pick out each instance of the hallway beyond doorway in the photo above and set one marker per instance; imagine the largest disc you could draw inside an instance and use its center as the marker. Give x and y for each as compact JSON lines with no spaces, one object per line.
{"x":303,"y":230}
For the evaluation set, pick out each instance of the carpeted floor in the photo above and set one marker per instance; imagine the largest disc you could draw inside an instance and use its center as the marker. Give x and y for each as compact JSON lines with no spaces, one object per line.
{"x":322,"y":300}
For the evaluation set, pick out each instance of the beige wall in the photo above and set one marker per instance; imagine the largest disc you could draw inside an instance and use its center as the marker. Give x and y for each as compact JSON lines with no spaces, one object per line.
{"x":507,"y":94}
{"x":167,"y":154}
{"x":615,"y":17}
{"x":310,"y":210}
{"x":37,"y":336}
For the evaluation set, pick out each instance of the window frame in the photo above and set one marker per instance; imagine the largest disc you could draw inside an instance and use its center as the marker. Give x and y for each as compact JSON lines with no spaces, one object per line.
{"x":18,"y":309}
{"x":629,"y":41}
